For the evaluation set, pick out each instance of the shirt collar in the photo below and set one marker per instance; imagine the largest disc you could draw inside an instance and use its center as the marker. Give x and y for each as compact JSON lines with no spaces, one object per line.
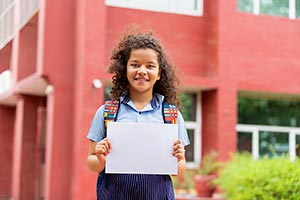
{"x":156,"y":100}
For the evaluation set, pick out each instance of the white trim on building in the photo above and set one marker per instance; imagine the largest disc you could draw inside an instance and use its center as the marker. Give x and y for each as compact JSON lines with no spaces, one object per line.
{"x":255,"y":129}
{"x":184,"y":7}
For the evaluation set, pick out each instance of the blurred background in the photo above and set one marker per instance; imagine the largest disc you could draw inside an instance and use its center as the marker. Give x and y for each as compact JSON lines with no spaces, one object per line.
{"x":238,"y":63}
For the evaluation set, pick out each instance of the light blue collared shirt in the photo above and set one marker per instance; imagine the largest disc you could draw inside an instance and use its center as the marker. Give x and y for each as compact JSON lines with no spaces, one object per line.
{"x":152,"y":112}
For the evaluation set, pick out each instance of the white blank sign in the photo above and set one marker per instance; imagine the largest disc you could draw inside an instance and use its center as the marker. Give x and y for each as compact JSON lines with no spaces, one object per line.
{"x":141,"y":148}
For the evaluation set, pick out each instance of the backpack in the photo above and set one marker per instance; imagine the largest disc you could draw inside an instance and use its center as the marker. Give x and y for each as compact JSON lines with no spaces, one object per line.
{"x":111,"y":108}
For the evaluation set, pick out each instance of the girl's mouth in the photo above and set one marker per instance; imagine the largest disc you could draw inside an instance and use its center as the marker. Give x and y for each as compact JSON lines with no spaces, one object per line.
{"x":141,"y":79}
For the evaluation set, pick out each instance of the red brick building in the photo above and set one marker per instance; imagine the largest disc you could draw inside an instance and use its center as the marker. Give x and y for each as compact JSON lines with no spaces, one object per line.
{"x":53,"y":65}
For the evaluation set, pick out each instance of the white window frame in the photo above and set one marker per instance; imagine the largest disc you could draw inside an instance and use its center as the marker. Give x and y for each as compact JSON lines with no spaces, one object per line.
{"x":5,"y":81}
{"x":28,"y":8}
{"x":196,"y":126}
{"x":16,"y":13}
{"x":6,"y":22}
{"x":139,"y":5}
{"x":292,"y":8}
{"x":292,"y":143}
{"x":255,"y":129}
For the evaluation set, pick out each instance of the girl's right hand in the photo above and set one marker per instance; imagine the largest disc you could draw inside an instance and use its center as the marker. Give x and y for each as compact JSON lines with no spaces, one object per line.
{"x":102,"y":148}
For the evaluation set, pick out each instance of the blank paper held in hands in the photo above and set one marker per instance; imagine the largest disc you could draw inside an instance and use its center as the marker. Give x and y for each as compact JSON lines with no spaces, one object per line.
{"x":141,"y":148}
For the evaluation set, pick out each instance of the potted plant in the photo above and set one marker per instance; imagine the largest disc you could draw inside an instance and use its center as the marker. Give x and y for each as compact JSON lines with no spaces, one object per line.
{"x":184,"y":187}
{"x":205,"y":175}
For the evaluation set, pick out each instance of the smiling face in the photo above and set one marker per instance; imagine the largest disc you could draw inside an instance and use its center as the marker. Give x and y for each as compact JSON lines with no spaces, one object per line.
{"x":142,"y":71}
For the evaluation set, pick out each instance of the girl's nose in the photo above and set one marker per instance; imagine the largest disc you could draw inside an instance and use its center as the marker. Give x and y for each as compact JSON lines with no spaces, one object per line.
{"x":142,"y":70}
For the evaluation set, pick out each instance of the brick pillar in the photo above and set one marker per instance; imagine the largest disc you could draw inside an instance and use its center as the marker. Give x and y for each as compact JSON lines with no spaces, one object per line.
{"x":56,"y":62}
{"x":210,"y":121}
{"x":90,"y":39}
{"x":219,"y":114}
{"x":24,"y":148}
{"x":7,"y":117}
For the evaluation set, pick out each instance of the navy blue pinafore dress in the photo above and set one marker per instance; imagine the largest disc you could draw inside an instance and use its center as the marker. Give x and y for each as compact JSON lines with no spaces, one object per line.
{"x":136,"y":187}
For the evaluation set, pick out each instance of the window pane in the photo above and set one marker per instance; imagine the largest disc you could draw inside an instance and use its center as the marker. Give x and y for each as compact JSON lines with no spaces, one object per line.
{"x":297,"y":8}
{"x":298,"y":145}
{"x":186,"y":4}
{"x":107,"y":92}
{"x":244,"y":142}
{"x":187,"y":7}
{"x":268,"y":112}
{"x":275,"y":7}
{"x":165,"y":4}
{"x":273,"y":143}
{"x":245,"y":5}
{"x":189,"y":150}
{"x":189,"y":102}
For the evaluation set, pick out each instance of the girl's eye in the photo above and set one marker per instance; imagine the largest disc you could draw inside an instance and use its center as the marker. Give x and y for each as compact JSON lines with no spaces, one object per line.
{"x":151,"y":66}
{"x":133,"y":65}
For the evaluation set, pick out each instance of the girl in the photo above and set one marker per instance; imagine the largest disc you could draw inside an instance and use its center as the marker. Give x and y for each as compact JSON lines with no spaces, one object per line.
{"x":143,"y":79}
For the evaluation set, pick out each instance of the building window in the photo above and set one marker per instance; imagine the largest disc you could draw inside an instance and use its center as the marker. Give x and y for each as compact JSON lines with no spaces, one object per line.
{"x":268,"y":127}
{"x":245,"y":6}
{"x":298,"y":145}
{"x":298,"y":9}
{"x":276,"y":8}
{"x":192,"y":116}
{"x":285,"y":8}
{"x":107,"y":91}
{"x":185,"y":7}
{"x":7,"y":8}
{"x":245,"y":142}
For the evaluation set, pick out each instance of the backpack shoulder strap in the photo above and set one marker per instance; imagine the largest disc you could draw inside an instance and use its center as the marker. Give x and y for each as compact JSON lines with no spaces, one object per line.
{"x":111,"y":108}
{"x":170,"y":113}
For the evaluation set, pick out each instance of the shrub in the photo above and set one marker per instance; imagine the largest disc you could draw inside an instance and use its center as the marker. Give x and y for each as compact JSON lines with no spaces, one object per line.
{"x":186,"y":183}
{"x":243,"y":178}
{"x":209,"y":164}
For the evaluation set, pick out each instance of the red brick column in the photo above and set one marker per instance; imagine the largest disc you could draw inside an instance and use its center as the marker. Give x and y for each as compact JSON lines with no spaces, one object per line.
{"x":90,"y":65}
{"x":219,"y":115}
{"x":7,"y":117}
{"x":24,"y":148}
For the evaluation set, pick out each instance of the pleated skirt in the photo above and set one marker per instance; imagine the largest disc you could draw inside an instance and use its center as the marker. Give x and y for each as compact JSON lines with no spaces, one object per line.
{"x":136,"y":187}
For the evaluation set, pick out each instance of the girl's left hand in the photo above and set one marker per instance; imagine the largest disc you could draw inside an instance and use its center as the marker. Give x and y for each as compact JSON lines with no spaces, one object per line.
{"x":178,"y":150}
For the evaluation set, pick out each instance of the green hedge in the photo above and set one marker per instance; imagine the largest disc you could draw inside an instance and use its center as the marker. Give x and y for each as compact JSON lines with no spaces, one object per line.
{"x":243,"y":178}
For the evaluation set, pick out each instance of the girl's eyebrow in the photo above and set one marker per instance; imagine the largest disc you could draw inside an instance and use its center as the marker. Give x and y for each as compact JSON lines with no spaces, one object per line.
{"x":132,"y":60}
{"x":152,"y":62}
{"x":136,"y":61}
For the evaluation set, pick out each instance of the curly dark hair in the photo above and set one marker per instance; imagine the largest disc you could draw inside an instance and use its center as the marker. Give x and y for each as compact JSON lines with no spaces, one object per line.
{"x":168,"y":83}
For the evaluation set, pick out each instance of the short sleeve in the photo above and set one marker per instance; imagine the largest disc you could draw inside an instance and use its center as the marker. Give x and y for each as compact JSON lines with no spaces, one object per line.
{"x":182,"y":132}
{"x":96,"y":131}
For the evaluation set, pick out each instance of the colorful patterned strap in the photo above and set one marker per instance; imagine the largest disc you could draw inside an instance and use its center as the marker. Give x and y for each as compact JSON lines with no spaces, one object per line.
{"x":111,"y":109}
{"x":170,"y":113}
